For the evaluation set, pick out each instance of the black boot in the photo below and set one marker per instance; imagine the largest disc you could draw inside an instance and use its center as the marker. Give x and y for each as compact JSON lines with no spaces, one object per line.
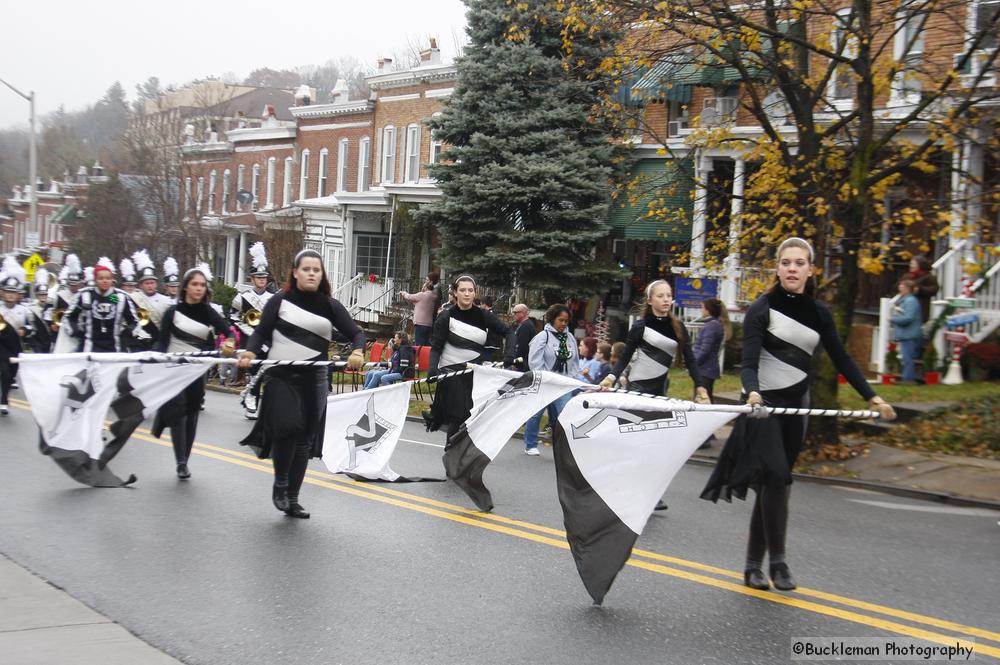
{"x":296,"y":510}
{"x":782,"y":577}
{"x":182,"y":471}
{"x":754,"y":578}
{"x":279,"y":495}
{"x":660,"y":505}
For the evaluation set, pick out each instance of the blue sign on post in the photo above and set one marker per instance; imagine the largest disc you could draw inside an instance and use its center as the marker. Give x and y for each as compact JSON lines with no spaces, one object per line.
{"x":690,"y":291}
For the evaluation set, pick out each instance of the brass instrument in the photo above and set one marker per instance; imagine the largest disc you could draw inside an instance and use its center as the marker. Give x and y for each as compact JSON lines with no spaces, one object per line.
{"x":57,"y":315}
{"x":251,"y":317}
{"x":143,"y":315}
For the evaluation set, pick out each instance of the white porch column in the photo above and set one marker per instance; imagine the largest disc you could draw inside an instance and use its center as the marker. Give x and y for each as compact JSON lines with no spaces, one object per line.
{"x":950,"y":285}
{"x":241,"y":269}
{"x":698,"y":222}
{"x":230,"y":259}
{"x":730,"y":283}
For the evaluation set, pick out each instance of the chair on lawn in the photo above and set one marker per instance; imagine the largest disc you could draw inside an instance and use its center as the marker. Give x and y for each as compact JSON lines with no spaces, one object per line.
{"x":422,"y":355}
{"x":374,"y":355}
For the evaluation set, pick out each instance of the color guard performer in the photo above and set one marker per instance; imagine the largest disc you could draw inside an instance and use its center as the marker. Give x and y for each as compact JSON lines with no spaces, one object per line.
{"x":298,"y":324}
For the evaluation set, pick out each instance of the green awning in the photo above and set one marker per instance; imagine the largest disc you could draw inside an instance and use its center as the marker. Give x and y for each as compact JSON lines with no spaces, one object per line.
{"x":65,"y":215}
{"x":664,"y":183}
{"x":660,"y":82}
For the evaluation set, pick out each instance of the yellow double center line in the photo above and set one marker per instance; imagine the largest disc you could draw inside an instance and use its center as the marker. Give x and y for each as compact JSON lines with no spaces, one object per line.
{"x":803,"y":598}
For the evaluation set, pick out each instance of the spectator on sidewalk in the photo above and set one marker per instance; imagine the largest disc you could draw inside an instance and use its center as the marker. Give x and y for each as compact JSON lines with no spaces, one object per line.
{"x":424,"y":304}
{"x":925,"y":285}
{"x":604,"y":361}
{"x":554,"y":350}
{"x":907,"y":329}
{"x":707,"y":346}
{"x":524,"y":330}
{"x":589,"y":364}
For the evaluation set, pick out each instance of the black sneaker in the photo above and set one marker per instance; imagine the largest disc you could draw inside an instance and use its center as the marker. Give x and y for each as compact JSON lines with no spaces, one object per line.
{"x":754,"y":578}
{"x":182,"y":471}
{"x":782,"y":577}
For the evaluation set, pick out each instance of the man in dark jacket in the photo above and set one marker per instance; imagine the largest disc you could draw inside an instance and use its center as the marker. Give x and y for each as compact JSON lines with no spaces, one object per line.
{"x":524,"y":330}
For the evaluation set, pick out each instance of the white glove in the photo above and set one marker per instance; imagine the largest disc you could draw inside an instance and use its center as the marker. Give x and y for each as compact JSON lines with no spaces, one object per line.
{"x":139,"y":333}
{"x":608,"y":381}
{"x":885,"y":410}
{"x":356,"y":360}
{"x":757,"y":402}
{"x":701,"y":396}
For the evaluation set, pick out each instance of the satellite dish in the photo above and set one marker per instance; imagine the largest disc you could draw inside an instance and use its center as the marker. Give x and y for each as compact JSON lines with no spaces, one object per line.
{"x":776,"y":108}
{"x":244,"y":198}
{"x":709,"y":117}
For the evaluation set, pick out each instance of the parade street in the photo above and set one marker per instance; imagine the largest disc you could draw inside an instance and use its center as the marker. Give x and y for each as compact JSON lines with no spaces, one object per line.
{"x":209,"y":572}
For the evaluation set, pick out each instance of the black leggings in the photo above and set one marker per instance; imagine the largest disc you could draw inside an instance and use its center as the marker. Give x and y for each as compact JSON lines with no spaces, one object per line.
{"x":182,"y":432}
{"x":779,"y":441}
{"x":294,"y":437}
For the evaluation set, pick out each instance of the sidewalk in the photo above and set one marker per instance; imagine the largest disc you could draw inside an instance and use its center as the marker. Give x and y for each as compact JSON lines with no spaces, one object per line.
{"x":42,"y":625}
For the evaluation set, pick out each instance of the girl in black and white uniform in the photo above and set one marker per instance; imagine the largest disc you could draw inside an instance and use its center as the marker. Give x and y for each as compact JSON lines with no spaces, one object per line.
{"x":297,"y":324}
{"x":655,"y":341}
{"x":781,"y":331}
{"x":190,"y":325}
{"x":459,"y":338}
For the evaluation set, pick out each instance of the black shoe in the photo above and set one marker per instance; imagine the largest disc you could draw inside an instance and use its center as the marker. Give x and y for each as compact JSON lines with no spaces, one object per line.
{"x":660,"y":505}
{"x":279,"y":495}
{"x":182,"y":471}
{"x":295,"y":510}
{"x":782,"y":577}
{"x":428,"y":420}
{"x":754,"y":578}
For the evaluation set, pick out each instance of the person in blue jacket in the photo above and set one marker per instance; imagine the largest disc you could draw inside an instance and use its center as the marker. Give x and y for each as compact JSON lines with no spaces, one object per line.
{"x":907,"y":329}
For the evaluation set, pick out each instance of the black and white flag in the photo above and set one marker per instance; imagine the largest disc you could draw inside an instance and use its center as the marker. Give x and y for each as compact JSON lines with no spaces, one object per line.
{"x":71,"y":418}
{"x":362,"y":430}
{"x":502,"y":401}
{"x":612,"y":465}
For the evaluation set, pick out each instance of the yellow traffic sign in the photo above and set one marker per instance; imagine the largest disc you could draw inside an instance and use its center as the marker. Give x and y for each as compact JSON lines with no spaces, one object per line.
{"x":30,"y":265}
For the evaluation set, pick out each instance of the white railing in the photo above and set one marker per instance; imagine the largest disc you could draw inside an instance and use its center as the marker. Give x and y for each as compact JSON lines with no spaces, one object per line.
{"x":343,"y":289}
{"x":948,"y":270}
{"x":370,"y":300}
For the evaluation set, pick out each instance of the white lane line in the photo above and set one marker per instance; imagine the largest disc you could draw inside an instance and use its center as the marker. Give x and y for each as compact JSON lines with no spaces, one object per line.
{"x":941,"y":510}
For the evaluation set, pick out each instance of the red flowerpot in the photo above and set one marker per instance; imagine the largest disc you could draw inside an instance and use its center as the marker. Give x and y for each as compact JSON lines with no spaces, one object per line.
{"x":889,"y":379}
{"x":932,"y":378}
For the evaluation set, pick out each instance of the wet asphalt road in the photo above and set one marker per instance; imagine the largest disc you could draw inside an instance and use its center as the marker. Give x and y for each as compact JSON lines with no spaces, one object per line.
{"x":209,"y":572}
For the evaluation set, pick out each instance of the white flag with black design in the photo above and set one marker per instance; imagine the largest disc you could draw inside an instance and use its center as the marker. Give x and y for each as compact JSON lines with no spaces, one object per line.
{"x":502,"y":401}
{"x":70,"y":398}
{"x":362,"y":430}
{"x":612,"y":465}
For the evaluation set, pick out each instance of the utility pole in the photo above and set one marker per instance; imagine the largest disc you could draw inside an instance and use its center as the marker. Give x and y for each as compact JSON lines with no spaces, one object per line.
{"x":32,"y":163}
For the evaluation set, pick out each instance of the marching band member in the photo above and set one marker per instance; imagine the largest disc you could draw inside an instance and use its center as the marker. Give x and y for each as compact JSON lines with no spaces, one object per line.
{"x":148,"y":298}
{"x":189,"y":326}
{"x":171,"y":278}
{"x":15,"y":323}
{"x":460,"y":337}
{"x":102,"y":314}
{"x":127,"y":270}
{"x":40,"y":340}
{"x":781,"y":331}
{"x":246,"y":305}
{"x":298,"y":324}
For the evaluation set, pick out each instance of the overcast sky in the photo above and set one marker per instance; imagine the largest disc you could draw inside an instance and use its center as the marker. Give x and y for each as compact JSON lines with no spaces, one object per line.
{"x":70,"y":51}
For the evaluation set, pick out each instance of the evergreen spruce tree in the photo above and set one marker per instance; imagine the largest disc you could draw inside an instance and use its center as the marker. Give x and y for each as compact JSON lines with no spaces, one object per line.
{"x":527,"y":172}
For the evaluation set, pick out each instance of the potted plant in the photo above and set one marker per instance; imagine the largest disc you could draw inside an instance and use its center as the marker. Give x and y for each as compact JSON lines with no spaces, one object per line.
{"x":932,"y":374}
{"x":892,"y":365}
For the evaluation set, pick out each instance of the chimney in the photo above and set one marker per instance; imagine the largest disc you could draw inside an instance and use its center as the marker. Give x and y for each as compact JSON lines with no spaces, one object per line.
{"x":98,"y":170}
{"x":270,"y":117}
{"x":431,"y":55}
{"x":241,"y":120}
{"x":303,"y":96}
{"x":188,"y":134}
{"x":384,"y":64}
{"x":339,"y":93}
{"x":16,"y":193}
{"x":81,"y":175}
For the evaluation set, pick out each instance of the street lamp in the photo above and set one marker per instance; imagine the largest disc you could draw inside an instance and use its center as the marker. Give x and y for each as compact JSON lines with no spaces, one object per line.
{"x":32,"y":165}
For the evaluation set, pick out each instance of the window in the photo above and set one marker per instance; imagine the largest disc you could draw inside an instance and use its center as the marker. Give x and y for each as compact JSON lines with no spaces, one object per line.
{"x":436,"y":144}
{"x":187,"y":195}
{"x":841,"y":87}
{"x":212,"y":178}
{"x":388,"y":154}
{"x":985,"y":9}
{"x":200,"y":197}
{"x":272,"y":167}
{"x":411,"y":172}
{"x":225,"y":191}
{"x":241,"y":173}
{"x":286,"y":184}
{"x":364,"y":157}
{"x":342,"y":165}
{"x":304,"y":175}
{"x":255,"y":186}
{"x":908,"y":49}
{"x":324,"y":156}
{"x":369,"y":254}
